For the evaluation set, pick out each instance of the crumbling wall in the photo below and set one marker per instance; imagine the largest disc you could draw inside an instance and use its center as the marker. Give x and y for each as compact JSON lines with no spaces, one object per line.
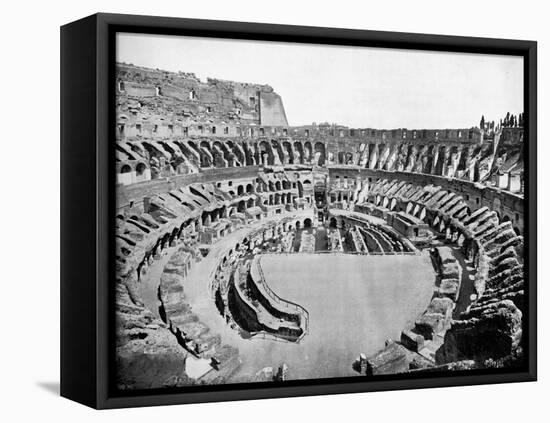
{"x":272,"y":111}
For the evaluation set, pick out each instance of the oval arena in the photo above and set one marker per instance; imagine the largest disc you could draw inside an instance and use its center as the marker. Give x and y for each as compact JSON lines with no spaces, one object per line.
{"x":251,"y":250}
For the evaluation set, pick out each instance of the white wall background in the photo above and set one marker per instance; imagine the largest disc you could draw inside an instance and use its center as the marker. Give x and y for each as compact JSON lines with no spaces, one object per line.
{"x":30,"y":208}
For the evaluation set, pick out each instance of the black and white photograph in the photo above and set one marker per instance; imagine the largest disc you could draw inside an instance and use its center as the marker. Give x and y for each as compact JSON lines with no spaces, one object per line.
{"x":275,"y":211}
{"x":298,"y":211}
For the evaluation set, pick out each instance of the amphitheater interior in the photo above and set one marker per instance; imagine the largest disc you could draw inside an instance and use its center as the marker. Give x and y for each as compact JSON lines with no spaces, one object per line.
{"x":212,"y":181}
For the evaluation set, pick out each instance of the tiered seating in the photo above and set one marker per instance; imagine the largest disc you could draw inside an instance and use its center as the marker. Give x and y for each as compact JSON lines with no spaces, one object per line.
{"x":493,"y":248}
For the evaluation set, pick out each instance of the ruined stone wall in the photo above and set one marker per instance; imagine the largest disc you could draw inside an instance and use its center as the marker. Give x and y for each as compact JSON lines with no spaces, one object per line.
{"x":508,"y":206}
{"x":177,"y":124}
{"x":135,"y":193}
{"x":151,"y":97}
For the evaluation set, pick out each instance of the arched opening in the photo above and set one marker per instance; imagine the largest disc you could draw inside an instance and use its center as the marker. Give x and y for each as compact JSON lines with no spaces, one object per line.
{"x":278,"y":151}
{"x":249,"y":188}
{"x":241,"y":206}
{"x":300,"y":190}
{"x":213,"y":216}
{"x":266,"y":154}
{"x":140,"y":169}
{"x":205,"y":219}
{"x":205,"y":154}
{"x":307,"y":223}
{"x":298,"y":153}
{"x":125,"y":169}
{"x":332,"y":223}
{"x":173,"y":236}
{"x":319,"y":154}
{"x":288,"y":150}
{"x":240,"y":190}
{"x":341,"y":157}
{"x":164,"y":241}
{"x":308,"y":151}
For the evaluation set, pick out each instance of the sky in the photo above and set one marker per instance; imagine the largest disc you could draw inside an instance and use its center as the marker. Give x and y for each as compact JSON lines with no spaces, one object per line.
{"x":352,"y":86}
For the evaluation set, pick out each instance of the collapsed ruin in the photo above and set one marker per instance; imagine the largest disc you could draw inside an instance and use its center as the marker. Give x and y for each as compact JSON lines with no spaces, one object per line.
{"x":211,"y":175}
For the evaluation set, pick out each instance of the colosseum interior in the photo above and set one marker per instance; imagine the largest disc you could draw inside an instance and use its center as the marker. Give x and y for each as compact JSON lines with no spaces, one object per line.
{"x":251,"y":250}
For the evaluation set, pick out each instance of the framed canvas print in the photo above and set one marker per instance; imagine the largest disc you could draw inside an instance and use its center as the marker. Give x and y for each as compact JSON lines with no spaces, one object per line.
{"x":255,"y":211}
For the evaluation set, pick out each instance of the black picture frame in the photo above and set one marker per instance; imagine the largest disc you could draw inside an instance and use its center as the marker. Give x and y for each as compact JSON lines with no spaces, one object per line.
{"x":87,"y":212}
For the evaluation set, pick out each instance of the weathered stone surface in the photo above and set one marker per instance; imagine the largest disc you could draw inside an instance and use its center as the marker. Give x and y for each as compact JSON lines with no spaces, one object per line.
{"x":412,"y":341}
{"x":147,"y":354}
{"x":449,"y":287}
{"x":491,"y":331}
{"x":394,"y":358}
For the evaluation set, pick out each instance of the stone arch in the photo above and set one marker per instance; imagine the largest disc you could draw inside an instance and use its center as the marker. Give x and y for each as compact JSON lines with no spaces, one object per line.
{"x":320,"y":153}
{"x":241,"y":206}
{"x":287,"y":148}
{"x":440,"y":164}
{"x":277,"y":149}
{"x":341,"y":157}
{"x":300,"y":189}
{"x":298,"y":153}
{"x":308,"y":151}
{"x":164,"y":241}
{"x":266,"y":154}
{"x":205,"y":154}
{"x":173,"y":236}
{"x":463,"y":161}
{"x":140,"y":168}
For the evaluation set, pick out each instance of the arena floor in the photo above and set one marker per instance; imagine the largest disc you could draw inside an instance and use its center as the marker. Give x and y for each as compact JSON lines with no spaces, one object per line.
{"x":355,"y":303}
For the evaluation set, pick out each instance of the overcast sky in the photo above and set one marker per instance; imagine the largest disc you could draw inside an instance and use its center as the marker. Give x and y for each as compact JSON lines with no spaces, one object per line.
{"x":353,"y":86}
